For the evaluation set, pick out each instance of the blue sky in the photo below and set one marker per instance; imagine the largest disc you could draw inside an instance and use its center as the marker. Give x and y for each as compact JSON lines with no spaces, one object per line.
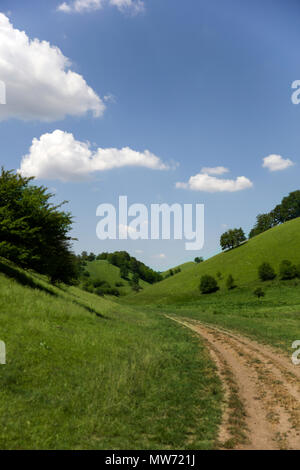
{"x":203,"y":83}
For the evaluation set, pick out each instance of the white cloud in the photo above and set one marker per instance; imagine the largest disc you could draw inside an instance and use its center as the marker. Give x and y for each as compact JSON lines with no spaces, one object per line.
{"x":39,"y":82}
{"x":211,"y":184}
{"x":218,"y":170}
{"x":139,"y":252}
{"x":134,"y":6}
{"x":81,"y":6}
{"x":276,"y":163}
{"x":59,"y":156}
{"x":110,"y":98}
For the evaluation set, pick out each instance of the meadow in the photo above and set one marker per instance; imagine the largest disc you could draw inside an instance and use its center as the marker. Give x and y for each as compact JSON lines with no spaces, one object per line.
{"x":83,"y":372}
{"x":90,"y":372}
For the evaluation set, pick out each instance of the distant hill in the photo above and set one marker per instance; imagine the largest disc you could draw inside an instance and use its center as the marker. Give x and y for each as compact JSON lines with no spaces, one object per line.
{"x":274,"y":245}
{"x":105,"y":271}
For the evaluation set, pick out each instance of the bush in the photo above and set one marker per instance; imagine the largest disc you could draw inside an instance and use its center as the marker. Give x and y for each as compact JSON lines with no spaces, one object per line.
{"x":100,"y":283}
{"x":287,"y":270}
{"x":208,"y":284}
{"x":230,"y":282}
{"x":259,"y":292}
{"x":266,"y":272}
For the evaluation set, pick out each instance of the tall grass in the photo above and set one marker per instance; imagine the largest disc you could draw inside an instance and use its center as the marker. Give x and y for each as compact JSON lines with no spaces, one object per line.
{"x":85,"y":373}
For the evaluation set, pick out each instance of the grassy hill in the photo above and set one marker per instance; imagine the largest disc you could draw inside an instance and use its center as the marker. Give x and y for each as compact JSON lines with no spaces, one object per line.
{"x":83,"y":372}
{"x":105,"y":271}
{"x":281,"y":242}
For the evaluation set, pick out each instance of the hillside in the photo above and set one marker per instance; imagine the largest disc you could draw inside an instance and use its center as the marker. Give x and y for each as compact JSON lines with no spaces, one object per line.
{"x":279,"y":243}
{"x":105,"y":271}
{"x":82,"y":372}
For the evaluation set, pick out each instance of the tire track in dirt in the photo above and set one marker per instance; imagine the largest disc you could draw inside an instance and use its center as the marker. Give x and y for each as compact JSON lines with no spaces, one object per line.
{"x":261,"y":407}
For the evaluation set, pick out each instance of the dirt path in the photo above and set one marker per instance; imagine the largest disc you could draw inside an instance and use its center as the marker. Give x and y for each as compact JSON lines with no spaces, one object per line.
{"x":261,"y":389}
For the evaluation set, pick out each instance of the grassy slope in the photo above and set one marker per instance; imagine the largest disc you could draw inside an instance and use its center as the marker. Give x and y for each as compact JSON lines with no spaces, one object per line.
{"x":281,"y":242}
{"x":274,"y":319}
{"x":101,"y":269}
{"x":83,"y":372}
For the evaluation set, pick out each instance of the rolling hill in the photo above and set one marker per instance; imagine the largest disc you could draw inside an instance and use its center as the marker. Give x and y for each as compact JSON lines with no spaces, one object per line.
{"x":274,"y":245}
{"x":105,"y":271}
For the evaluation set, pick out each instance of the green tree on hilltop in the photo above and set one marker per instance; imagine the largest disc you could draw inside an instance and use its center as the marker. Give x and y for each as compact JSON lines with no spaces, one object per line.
{"x":232,"y":238}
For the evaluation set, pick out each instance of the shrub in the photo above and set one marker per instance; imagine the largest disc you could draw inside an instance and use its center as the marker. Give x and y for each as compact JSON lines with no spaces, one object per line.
{"x":208,"y":284}
{"x":287,"y":270}
{"x":100,"y":283}
{"x":259,"y":292}
{"x":266,"y":272}
{"x":230,"y":282}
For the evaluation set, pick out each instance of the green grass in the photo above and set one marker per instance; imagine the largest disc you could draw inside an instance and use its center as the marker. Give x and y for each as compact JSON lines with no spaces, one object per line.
{"x":103,"y":270}
{"x":273,"y":319}
{"x":281,"y":242}
{"x":85,"y":373}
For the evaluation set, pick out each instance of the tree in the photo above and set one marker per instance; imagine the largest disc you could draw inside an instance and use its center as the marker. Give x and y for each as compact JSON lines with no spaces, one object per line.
{"x":135,"y":283}
{"x":259,"y":292}
{"x":232,"y":238}
{"x":290,"y":206}
{"x":198,"y":259}
{"x":288,"y":209}
{"x":124,"y":271}
{"x":91,"y":257}
{"x":266,"y":272}
{"x":33,"y":231}
{"x":208,"y":284}
{"x":263,"y":223}
{"x":230,"y":284}
{"x":287,"y":270}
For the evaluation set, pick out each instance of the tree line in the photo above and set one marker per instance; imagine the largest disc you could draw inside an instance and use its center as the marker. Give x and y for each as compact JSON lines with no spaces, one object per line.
{"x":288,"y":209}
{"x":127,"y":264}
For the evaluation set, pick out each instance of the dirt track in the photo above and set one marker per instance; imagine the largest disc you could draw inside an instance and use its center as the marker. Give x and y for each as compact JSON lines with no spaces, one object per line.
{"x":262,"y":391}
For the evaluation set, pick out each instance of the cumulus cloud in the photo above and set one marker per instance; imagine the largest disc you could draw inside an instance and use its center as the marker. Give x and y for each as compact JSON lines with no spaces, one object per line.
{"x":39,"y":82}
{"x":211,"y":184}
{"x":276,"y":163}
{"x":218,"y":170}
{"x":82,"y":6}
{"x":59,"y":156}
